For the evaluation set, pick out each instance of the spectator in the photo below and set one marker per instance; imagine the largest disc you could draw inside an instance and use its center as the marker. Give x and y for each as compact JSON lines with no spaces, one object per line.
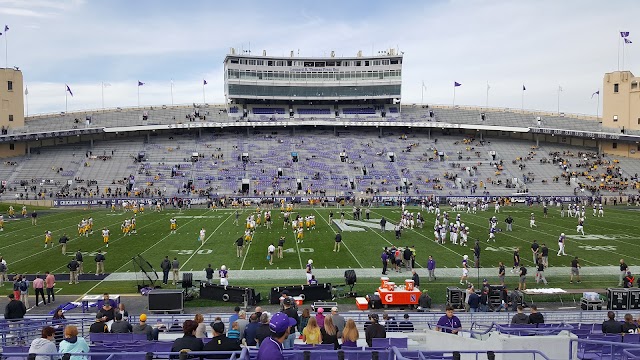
{"x":375,"y":330}
{"x":350,"y":334}
{"x":234,"y":317}
{"x":263,"y":330}
{"x":329,"y":333}
{"x":24,"y":290}
{"x":611,"y":326}
{"x":629,"y":280}
{"x":107,"y":300}
{"x":390,"y":324}
{"x":628,"y":326}
{"x":220,"y":342}
{"x":520,"y":317}
{"x":121,"y":309}
{"x":58,"y":321}
{"x":474,"y":301}
{"x":99,"y":326}
{"x":107,"y":312}
{"x":535,"y":317}
{"x":424,"y":302}
{"x":44,"y":344}
{"x":304,"y":319}
{"x":38,"y":288}
{"x":271,"y":348}
{"x":188,"y":342}
{"x":72,"y":344}
{"x":234,"y":333}
{"x":120,"y":326}
{"x":449,"y":323}
{"x":201,"y":331}
{"x":311,"y":334}
{"x":242,"y":321}
{"x":50,"y":281}
{"x":250,"y":331}
{"x":320,"y":317}
{"x":406,"y":325}
{"x":165,"y":265}
{"x":338,"y":320}
{"x":292,"y":313}
{"x":15,"y":309}
{"x":143,"y":328}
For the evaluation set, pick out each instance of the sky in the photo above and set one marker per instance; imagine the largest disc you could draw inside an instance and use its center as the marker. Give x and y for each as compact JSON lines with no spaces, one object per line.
{"x":541,"y":44}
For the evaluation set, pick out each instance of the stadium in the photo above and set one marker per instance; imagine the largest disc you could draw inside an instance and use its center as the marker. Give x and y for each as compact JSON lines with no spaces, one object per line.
{"x":314,"y":188}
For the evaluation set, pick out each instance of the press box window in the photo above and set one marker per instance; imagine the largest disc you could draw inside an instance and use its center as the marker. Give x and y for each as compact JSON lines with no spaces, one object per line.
{"x":615,"y":88}
{"x":10,"y":117}
{"x":9,"y":85}
{"x":615,"y":118}
{"x":614,"y":145}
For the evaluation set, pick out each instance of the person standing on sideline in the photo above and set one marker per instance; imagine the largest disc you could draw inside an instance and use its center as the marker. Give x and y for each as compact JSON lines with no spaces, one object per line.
{"x":623,"y":271}
{"x":540,"y":271}
{"x":522,"y":285}
{"x":416,"y":278}
{"x":73,"y":271}
{"x":175,"y":270}
{"x":383,"y":224}
{"x":385,"y":260}
{"x":165,"y":265}
{"x":63,"y":243}
{"x":575,"y":270}
{"x":476,"y":254}
{"x":406,"y":256}
{"x":38,"y":288}
{"x":271,"y":250}
{"x":544,"y":252}
{"x":79,"y":260}
{"x":281,"y":247}
{"x":34,"y":218}
{"x":24,"y":290}
{"x":535,"y":248}
{"x":516,"y":259}
{"x":561,"y":243}
{"x":501,"y":272}
{"x":336,"y":247}
{"x":509,"y":222}
{"x":50,"y":282}
{"x":431,"y":266}
{"x":209,"y":274}
{"x":239,"y":246}
{"x":99,"y":262}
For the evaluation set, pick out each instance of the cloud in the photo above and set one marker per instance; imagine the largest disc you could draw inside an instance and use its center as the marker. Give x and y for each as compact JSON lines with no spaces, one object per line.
{"x":23,"y":12}
{"x":505,"y":43}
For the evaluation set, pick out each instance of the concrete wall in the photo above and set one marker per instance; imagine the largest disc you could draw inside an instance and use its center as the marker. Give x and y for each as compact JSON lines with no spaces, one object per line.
{"x":554,"y":347}
{"x":622,"y":149}
{"x":43,"y":203}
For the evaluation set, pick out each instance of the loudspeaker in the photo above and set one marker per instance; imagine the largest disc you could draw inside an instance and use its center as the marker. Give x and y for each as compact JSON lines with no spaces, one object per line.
{"x":454,"y":297}
{"x":308,"y":292}
{"x":374,"y":301}
{"x":350,"y":277}
{"x":228,"y":293}
{"x":617,"y":299}
{"x":634,"y":298}
{"x":187,"y":280}
{"x":161,"y":300}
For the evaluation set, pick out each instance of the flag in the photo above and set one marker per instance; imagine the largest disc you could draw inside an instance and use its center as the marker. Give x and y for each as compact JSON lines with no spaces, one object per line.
{"x":456,"y":84}
{"x":26,"y":90}
{"x":488,"y":87}
{"x":106,"y":84}
{"x":140,"y":83}
{"x":624,"y":34}
{"x":595,"y":93}
{"x":559,"y":88}
{"x":523,"y":88}
{"x":6,"y":28}
{"x":627,"y":41}
{"x":204,"y":82}
{"x":69,"y":89}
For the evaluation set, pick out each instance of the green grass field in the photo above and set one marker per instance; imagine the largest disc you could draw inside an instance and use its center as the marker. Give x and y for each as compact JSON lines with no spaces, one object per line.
{"x":21,"y":244}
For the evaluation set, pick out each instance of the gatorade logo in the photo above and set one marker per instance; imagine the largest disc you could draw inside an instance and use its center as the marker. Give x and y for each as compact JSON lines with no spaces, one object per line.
{"x":388,"y":298}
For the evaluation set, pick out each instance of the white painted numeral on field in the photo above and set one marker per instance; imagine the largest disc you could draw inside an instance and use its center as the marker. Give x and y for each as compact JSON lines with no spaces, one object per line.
{"x":204,"y":252}
{"x":302,"y":250}
{"x":500,"y":248}
{"x":598,"y":248}
{"x":191,"y":252}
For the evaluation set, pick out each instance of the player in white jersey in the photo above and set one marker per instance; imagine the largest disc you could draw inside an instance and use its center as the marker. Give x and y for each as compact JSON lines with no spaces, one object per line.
{"x":583,"y":212}
{"x":464,"y":233}
{"x":600,"y":210}
{"x":595,"y":209}
{"x":105,"y":237}
{"x":453,"y":234}
{"x":443,"y":232}
{"x":532,"y":221}
{"x":497,"y":208}
{"x":437,"y":211}
{"x":492,"y":234}
{"x":580,"y":227}
{"x":561,"y":244}
{"x":173,"y":225}
{"x":202,"y":236}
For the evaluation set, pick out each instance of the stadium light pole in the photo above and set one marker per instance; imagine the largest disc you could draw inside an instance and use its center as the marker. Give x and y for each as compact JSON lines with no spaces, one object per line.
{"x":559,"y":91}
{"x":422,"y":93}
{"x":171,"y":92}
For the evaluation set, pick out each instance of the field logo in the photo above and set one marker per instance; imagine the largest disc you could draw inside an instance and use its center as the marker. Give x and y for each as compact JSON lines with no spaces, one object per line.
{"x":598,"y":237}
{"x":361,"y":225}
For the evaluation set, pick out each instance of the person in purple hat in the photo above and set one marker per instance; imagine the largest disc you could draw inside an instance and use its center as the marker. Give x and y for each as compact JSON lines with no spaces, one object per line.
{"x":271,"y":348}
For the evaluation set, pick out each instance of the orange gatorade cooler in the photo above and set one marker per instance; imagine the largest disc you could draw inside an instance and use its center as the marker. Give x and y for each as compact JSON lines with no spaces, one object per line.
{"x":408,"y":285}
{"x":391,"y":286}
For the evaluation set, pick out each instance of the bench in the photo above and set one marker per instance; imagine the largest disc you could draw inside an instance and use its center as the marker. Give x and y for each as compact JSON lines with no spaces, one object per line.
{"x":324,"y":305}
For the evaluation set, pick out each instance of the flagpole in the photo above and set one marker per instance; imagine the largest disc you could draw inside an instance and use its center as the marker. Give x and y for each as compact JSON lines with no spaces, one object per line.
{"x":6,"y":50}
{"x":522,"y":105}
{"x":171,"y":92}
{"x":204,"y":99}
{"x":454,"y":96}
{"x":138,"y":93}
{"x":487,"y":106}
{"x":558,"y":100}
{"x":27,"y":100}
{"x":623,"y":46}
{"x":422,"y":94}
{"x":598,"y":106}
{"x":66,"y":109}
{"x":102,"y":90}
{"x":618,"y":54}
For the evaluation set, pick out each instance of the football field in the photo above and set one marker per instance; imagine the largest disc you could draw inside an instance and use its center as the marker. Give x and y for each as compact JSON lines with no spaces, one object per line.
{"x":605,"y":242}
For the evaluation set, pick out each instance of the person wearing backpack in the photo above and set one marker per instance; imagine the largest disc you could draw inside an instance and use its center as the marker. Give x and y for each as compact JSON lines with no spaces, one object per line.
{"x":24,"y":291}
{"x":16,"y":287}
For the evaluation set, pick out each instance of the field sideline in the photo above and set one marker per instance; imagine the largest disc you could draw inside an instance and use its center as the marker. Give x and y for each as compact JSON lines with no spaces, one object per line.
{"x":22,"y":244}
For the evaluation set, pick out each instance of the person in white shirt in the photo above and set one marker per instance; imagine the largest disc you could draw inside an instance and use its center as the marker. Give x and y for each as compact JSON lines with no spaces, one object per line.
{"x":203,"y":232}
{"x":270,"y":251}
